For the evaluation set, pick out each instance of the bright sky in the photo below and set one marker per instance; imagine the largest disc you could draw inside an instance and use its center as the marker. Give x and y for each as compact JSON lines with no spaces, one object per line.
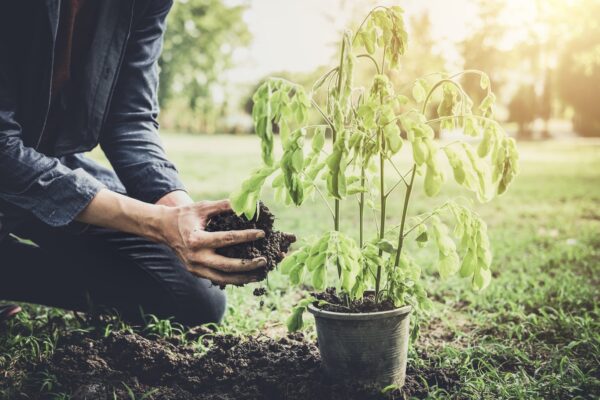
{"x":300,"y":35}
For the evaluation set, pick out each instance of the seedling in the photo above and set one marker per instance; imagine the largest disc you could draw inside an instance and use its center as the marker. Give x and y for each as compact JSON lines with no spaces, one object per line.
{"x":367,"y":129}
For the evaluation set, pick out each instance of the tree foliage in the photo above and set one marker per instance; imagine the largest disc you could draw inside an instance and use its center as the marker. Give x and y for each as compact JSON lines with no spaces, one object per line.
{"x":199,"y":43}
{"x":579,"y":71}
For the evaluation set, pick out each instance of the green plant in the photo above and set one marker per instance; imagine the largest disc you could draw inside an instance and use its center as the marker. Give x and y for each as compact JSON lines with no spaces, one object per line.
{"x":366,"y":128}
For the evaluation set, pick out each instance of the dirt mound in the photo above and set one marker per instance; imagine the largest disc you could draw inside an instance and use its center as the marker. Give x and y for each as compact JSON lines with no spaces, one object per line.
{"x":233,"y":368}
{"x":273,"y":246}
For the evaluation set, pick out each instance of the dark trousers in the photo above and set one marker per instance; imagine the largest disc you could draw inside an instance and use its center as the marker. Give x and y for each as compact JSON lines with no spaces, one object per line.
{"x":103,"y":269}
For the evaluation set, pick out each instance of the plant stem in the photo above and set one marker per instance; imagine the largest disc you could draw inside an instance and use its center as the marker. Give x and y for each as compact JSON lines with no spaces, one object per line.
{"x":383,"y":201}
{"x":410,"y":185}
{"x":372,"y":59}
{"x":361,"y":207}
{"x":336,"y":202}
{"x":404,"y":211}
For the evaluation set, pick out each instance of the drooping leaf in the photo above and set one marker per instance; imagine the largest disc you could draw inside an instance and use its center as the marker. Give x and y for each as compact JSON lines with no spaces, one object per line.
{"x":295,"y":321}
{"x":419,"y":90}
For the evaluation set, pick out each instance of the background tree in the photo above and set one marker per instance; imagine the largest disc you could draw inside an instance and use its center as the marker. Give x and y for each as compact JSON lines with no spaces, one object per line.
{"x":544,"y":107}
{"x":522,"y":110}
{"x":579,"y":70}
{"x":199,"y":44}
{"x":480,"y":49}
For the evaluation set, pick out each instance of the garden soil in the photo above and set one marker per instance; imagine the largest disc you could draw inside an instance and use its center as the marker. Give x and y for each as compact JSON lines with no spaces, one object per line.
{"x":97,"y":367}
{"x":273,"y":246}
{"x":366,"y":304}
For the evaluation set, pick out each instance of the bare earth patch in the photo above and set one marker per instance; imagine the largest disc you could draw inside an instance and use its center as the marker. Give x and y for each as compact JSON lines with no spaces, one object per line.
{"x":233,"y":368}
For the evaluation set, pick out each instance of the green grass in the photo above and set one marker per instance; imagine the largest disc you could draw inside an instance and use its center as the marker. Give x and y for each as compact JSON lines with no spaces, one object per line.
{"x":534,"y":333}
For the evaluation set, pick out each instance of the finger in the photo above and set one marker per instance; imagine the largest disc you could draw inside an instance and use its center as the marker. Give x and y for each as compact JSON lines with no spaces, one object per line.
{"x":217,"y":240}
{"x":216,"y":207}
{"x":222,"y":278}
{"x":290,"y":237}
{"x":232,"y":265}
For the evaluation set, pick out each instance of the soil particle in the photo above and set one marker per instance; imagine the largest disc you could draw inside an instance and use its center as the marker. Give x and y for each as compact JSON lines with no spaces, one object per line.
{"x":337,"y":304}
{"x":97,"y":367}
{"x":273,"y":246}
{"x":259,"y":291}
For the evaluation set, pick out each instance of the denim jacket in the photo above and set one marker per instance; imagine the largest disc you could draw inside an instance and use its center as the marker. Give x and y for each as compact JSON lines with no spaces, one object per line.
{"x":115,"y":106}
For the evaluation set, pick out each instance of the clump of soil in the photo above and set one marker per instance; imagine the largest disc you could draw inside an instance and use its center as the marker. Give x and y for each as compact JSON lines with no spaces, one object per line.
{"x":273,"y":246}
{"x":91,"y":366}
{"x":335,"y":303}
{"x":259,"y":291}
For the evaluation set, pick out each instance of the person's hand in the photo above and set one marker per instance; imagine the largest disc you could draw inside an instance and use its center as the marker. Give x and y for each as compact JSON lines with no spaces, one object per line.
{"x":183,"y":229}
{"x":175,"y":198}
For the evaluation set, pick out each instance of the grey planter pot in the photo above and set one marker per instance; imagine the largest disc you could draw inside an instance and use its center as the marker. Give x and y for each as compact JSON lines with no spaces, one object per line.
{"x":370,"y":348}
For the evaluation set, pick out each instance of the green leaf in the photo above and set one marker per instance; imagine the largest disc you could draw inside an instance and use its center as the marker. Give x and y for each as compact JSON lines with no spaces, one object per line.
{"x":295,"y":321}
{"x":402,"y":100}
{"x":319,"y":277}
{"x":419,"y":90}
{"x":471,"y":127}
{"x":318,"y":140}
{"x":238,"y":201}
{"x":386,"y":246}
{"x":296,"y":273}
{"x":392,"y":136}
{"x":481,"y":278}
{"x":423,"y":237}
{"x":487,"y":103}
{"x":420,"y":151}
{"x":433,"y":181}
{"x":469,"y":263}
{"x":448,"y":264}
{"x":484,"y":81}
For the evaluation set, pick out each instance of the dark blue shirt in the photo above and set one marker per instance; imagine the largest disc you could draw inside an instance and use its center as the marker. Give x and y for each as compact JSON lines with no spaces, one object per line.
{"x":114,"y":105}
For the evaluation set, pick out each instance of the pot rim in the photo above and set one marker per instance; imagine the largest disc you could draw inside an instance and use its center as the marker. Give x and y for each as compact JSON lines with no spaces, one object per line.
{"x":404,"y":310}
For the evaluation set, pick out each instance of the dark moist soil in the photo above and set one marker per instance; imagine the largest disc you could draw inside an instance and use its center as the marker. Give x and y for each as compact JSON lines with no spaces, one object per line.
{"x":273,"y":246}
{"x":336,"y":304}
{"x":93,"y":367}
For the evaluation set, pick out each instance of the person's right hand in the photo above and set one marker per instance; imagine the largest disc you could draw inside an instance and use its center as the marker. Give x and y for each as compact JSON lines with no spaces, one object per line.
{"x":183,"y":229}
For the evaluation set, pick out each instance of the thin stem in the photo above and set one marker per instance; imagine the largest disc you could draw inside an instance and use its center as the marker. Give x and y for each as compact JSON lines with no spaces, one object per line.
{"x":403,"y":177}
{"x":409,"y":189}
{"x":383,"y":202}
{"x":325,"y":117}
{"x":372,"y":59}
{"x":373,"y":210}
{"x":419,"y":224}
{"x":403,"y":221}
{"x":361,"y":207}
{"x":323,"y":78}
{"x":438,"y":84}
{"x":325,"y":200}
{"x":336,"y":201}
{"x":394,"y":187}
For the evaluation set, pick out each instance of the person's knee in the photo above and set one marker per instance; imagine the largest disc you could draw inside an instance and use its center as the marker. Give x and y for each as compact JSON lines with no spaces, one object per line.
{"x":205,"y":304}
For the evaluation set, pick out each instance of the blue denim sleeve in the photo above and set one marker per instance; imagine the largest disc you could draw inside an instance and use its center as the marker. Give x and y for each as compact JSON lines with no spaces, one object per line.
{"x":130,"y":137}
{"x":30,"y":180}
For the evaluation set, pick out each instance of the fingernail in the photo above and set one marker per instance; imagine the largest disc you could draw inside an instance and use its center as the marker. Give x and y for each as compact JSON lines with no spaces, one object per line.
{"x":260,"y":234}
{"x":261,"y":261}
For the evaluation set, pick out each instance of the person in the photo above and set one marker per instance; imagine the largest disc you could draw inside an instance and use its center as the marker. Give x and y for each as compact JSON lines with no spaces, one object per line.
{"x":75,"y":74}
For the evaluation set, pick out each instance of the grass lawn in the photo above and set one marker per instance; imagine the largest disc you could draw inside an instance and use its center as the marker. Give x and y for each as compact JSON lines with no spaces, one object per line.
{"x":534,"y":333}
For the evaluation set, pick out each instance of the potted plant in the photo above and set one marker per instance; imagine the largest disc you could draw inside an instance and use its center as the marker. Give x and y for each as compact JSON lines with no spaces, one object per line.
{"x":363,"y":323}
